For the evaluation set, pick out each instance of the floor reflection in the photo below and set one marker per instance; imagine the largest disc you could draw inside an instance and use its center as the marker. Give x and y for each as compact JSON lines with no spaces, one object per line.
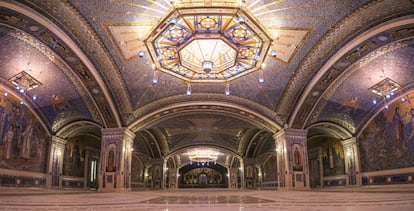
{"x":207,"y":200}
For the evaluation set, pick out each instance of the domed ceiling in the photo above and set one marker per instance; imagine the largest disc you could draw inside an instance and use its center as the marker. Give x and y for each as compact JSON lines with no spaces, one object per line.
{"x":118,"y":63}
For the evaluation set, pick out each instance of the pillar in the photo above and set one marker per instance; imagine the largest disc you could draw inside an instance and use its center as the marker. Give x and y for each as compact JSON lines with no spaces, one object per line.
{"x":241,"y":174}
{"x":259,"y":177}
{"x":158,"y":168}
{"x":292,"y":159}
{"x":55,"y":165}
{"x":115,"y":160}
{"x":233,"y":178}
{"x":172,"y":178}
{"x":90,"y":175}
{"x":250,"y":172}
{"x":352,"y":165}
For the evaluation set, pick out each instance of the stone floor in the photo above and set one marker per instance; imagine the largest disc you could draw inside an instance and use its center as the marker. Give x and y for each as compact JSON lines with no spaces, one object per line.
{"x":399,"y":199}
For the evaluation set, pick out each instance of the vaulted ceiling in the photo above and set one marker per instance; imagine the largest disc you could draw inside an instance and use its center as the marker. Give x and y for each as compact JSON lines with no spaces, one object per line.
{"x":85,"y":54}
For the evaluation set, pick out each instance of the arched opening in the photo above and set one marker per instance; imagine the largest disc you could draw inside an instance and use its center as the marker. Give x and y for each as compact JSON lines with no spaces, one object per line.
{"x":203,"y":175}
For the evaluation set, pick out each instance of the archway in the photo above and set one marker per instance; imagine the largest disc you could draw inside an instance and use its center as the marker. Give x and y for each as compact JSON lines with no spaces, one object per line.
{"x":203,"y":175}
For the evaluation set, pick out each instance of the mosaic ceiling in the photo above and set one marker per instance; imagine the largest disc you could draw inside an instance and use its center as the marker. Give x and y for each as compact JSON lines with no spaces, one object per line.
{"x":132,"y":63}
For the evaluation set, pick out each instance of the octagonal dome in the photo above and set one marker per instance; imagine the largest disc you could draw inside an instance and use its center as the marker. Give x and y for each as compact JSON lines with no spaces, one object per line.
{"x":216,"y":51}
{"x":225,"y":38}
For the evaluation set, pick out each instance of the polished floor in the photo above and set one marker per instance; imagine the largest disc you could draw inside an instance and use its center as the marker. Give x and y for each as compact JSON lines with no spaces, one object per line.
{"x":399,"y":199}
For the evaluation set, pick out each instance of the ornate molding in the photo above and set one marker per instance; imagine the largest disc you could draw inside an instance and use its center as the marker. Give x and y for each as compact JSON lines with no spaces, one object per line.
{"x":207,"y":106}
{"x":69,"y":19}
{"x":204,"y":97}
{"x":364,"y":17}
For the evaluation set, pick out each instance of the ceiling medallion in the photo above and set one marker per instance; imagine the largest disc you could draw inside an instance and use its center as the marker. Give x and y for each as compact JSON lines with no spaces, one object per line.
{"x":208,"y":41}
{"x":24,"y":82}
{"x":387,"y":89}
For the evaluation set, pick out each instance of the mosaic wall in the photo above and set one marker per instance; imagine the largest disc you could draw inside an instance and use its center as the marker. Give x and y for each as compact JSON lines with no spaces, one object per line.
{"x":137,"y":170}
{"x":387,"y":142}
{"x":202,"y":176}
{"x":23,"y":141}
{"x":270,"y":170}
{"x":74,"y":155}
{"x":332,"y":156}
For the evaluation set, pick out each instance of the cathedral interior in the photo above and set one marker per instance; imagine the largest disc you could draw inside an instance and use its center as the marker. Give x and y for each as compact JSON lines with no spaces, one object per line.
{"x":143,"y":95}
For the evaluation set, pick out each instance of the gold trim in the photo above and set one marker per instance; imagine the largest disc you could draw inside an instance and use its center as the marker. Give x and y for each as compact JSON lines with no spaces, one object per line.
{"x":106,"y":26}
{"x":300,"y":44}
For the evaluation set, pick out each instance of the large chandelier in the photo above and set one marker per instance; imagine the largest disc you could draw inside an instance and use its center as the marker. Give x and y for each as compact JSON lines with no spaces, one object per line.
{"x":208,"y":41}
{"x":203,"y":156}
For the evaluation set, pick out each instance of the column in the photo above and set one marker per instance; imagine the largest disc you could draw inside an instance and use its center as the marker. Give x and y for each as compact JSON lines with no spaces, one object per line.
{"x":260,"y":177}
{"x":316,"y":167}
{"x":250,"y":172}
{"x":241,"y":175}
{"x":352,"y":166}
{"x":172,"y":178}
{"x":156,"y":175}
{"x":91,"y":167}
{"x":55,"y":165}
{"x":115,"y":160}
{"x":233,"y":178}
{"x":146,"y":178}
{"x":292,"y":159}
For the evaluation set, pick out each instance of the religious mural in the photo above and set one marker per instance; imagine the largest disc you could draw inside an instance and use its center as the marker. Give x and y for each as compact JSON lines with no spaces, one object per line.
{"x":297,"y":157}
{"x":387,"y":141}
{"x":74,"y":155}
{"x":23,"y":140}
{"x":203,"y":176}
{"x":74,"y":158}
{"x":333,"y":160}
{"x":137,"y":169}
{"x":270,"y":170}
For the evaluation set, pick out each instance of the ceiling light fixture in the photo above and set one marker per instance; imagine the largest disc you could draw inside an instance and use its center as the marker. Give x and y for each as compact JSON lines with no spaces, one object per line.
{"x":188,"y":88}
{"x":387,"y":89}
{"x":227,"y":89}
{"x":203,"y":155}
{"x":261,"y":76}
{"x":141,"y":53}
{"x":208,"y":42}
{"x":24,"y":82}
{"x":207,"y":66}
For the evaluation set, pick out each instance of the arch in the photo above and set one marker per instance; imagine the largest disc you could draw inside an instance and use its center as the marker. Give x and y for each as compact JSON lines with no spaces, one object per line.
{"x":225,"y":108}
{"x":184,"y":149}
{"x":20,"y":8}
{"x":78,"y":128}
{"x":29,"y":105}
{"x":371,"y":115}
{"x":338,"y":55}
{"x":332,"y":129}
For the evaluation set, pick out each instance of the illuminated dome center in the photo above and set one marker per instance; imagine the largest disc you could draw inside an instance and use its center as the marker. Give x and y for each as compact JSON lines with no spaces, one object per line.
{"x":216,"y":51}
{"x":214,"y":45}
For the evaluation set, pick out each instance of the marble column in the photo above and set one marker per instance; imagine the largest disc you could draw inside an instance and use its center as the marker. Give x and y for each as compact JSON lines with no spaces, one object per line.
{"x":233,"y":178}
{"x":250,"y":172}
{"x":352,"y":165}
{"x":172,"y":178}
{"x":55,"y":165}
{"x":157,"y":173}
{"x":90,"y":176}
{"x":115,"y":160}
{"x":316,"y":167}
{"x":242,"y":174}
{"x":292,"y":159}
{"x":259,"y":177}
